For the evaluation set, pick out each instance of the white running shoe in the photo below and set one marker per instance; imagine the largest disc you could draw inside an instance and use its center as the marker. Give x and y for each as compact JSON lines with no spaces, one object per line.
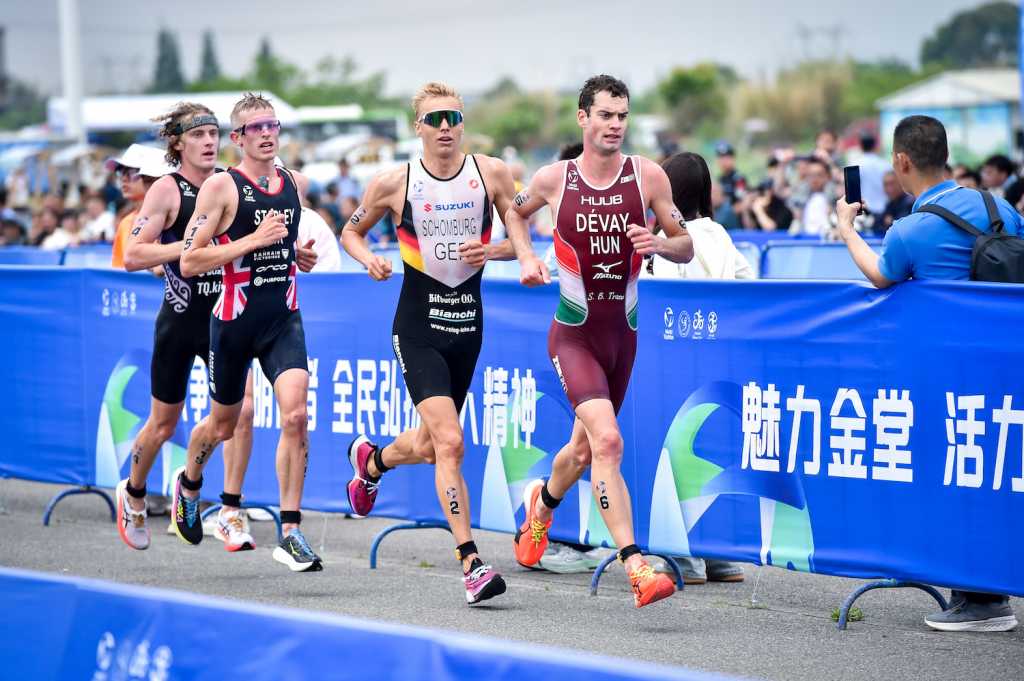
{"x":131,"y":524}
{"x":232,"y":529}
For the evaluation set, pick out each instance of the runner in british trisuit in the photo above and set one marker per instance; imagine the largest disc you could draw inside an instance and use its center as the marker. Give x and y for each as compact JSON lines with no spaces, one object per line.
{"x":599,"y":202}
{"x":442,"y":206}
{"x":251,"y":213}
{"x":182,"y":330}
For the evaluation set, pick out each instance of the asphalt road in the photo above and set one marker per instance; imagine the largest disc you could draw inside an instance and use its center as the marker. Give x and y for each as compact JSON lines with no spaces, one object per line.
{"x":775,"y":625}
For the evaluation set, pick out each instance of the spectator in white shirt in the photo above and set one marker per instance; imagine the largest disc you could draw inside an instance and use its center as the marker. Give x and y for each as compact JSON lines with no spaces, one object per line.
{"x":325,"y":243}
{"x":815,"y":220}
{"x":99,"y":222}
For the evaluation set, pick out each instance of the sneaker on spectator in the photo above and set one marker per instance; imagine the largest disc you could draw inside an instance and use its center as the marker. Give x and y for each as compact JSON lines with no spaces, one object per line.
{"x":564,"y":559}
{"x":723,"y":571}
{"x":694,"y":569}
{"x":158,"y":505}
{"x":964,"y":615}
{"x":258,"y":515}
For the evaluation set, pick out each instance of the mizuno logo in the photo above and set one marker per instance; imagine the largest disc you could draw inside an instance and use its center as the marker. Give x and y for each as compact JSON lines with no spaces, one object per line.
{"x":606,"y":267}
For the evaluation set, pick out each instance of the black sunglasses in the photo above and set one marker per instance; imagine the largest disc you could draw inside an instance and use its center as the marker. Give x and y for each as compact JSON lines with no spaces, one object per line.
{"x":434,"y":118}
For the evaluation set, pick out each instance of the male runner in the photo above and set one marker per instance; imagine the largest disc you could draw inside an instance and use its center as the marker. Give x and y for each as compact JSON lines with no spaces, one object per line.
{"x":251,"y":212}
{"x":442,"y":206}
{"x":599,"y":202}
{"x":182,"y":330}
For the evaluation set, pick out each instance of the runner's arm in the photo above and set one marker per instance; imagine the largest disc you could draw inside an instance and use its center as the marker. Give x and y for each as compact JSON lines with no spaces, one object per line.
{"x":376,"y":203}
{"x":678,"y":245}
{"x":142,"y":250}
{"x":498,"y":176}
{"x":197,"y":256}
{"x":527,"y":202}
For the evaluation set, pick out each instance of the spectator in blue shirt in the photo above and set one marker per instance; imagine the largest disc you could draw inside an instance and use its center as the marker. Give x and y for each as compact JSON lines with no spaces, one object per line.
{"x":925,"y":246}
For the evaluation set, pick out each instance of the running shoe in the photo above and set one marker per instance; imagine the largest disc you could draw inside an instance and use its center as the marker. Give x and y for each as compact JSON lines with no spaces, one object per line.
{"x":649,"y":586}
{"x":131,"y":524}
{"x":362,"y":489}
{"x":185,"y":513}
{"x":295,"y":552}
{"x":231,"y":529}
{"x":482,"y":582}
{"x":532,"y":537}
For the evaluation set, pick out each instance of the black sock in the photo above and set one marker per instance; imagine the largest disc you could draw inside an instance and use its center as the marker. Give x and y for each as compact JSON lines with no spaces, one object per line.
{"x":137,"y":492}
{"x":233,"y":500}
{"x":291,"y":517}
{"x":190,"y":485}
{"x":379,"y":463}
{"x":467,"y":549}
{"x":627,"y":551}
{"x":474,"y":564}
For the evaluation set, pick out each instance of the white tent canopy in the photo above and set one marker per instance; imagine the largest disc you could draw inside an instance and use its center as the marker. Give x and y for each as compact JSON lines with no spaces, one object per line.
{"x":132,"y":113}
{"x":957,"y":89}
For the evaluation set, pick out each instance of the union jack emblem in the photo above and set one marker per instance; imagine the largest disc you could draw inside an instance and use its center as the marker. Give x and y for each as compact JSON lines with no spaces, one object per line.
{"x":232,"y":299}
{"x":291,"y":297}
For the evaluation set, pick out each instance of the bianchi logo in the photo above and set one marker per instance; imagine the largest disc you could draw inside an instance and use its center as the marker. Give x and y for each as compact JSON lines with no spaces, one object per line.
{"x":186,"y":188}
{"x":247,"y":192}
{"x":606,"y":272}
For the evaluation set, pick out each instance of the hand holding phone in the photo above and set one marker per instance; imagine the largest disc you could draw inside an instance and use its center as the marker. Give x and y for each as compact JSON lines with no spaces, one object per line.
{"x":851,"y":178}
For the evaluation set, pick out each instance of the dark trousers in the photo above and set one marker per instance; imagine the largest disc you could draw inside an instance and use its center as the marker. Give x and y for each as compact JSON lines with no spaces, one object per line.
{"x":978,"y":597}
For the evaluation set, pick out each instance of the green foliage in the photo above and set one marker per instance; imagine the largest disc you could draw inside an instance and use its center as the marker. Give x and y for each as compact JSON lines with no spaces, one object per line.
{"x":209,"y":67}
{"x":23,"y":105}
{"x":984,"y":36}
{"x":696,"y":95}
{"x":167,"y":76}
{"x":855,"y":615}
{"x":525,"y":120}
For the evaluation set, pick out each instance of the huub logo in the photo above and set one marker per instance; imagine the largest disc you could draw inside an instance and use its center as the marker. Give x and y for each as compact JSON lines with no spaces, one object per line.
{"x":601,"y":200}
{"x":248,"y":193}
{"x":186,"y":188}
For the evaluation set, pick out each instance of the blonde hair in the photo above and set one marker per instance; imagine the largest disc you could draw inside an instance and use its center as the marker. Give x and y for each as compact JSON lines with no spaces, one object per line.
{"x":170,"y":126}
{"x":250,"y":101}
{"x":434,"y":88}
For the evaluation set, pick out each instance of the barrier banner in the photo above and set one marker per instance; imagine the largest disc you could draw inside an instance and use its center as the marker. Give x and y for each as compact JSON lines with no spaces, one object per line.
{"x":73,"y":628}
{"x":820,"y":426}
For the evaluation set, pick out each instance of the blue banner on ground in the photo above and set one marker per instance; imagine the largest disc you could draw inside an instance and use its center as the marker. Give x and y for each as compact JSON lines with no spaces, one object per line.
{"x":818,"y":426}
{"x":71,"y":628}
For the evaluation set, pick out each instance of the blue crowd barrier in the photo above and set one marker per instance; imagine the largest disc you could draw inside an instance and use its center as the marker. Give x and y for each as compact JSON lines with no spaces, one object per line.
{"x":752,"y":253}
{"x":817,"y":260}
{"x":819,"y":426}
{"x":73,"y":628}
{"x":92,"y":255}
{"x":29,"y":255}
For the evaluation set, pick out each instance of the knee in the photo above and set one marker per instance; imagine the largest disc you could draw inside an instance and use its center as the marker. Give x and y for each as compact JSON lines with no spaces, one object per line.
{"x":428,"y":454}
{"x":608,"y":447}
{"x":223,"y":429}
{"x":245,"y":418}
{"x":449,"y":447}
{"x":163,"y":430}
{"x":294,"y":421}
{"x":581,"y":455}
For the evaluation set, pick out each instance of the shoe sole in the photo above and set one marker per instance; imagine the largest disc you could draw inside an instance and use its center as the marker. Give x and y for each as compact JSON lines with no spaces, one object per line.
{"x":285,"y":558}
{"x":1005,"y":623}
{"x":493,"y":588}
{"x":665,"y":589}
{"x":352,"y":448}
{"x":528,"y":500}
{"x":730,"y":579}
{"x":122,"y":486}
{"x":174,"y":509}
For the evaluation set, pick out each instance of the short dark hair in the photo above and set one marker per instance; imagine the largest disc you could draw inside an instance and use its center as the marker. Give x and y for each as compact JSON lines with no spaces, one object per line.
{"x":570,"y":151}
{"x":601,"y":83}
{"x":690,"y":179}
{"x":923,"y":140}
{"x":815,"y":161}
{"x":1001,"y":163}
{"x":868,"y":143}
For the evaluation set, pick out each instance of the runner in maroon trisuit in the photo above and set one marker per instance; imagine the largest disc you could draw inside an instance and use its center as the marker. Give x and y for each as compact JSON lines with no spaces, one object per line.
{"x":599,"y":202}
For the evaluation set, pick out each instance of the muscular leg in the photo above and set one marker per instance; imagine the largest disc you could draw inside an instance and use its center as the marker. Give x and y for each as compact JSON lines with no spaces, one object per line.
{"x":238,"y":449}
{"x":441,"y":421}
{"x":411,"y":447}
{"x":208,"y":433}
{"x":157,"y":430}
{"x":291,"y":389}
{"x":568,"y":467}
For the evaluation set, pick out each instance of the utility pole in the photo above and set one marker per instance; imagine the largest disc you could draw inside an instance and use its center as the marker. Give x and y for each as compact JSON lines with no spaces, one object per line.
{"x":71,"y":68}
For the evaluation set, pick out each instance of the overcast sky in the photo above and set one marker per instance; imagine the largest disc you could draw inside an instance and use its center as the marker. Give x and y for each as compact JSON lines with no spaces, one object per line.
{"x":541,"y":43}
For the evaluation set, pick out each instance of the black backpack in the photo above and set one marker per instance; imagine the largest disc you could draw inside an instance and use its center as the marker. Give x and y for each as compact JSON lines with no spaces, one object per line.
{"x":996,"y":256}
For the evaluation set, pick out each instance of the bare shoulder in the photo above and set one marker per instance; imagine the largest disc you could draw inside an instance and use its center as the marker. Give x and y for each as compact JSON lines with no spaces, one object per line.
{"x":548,"y":177}
{"x":654,"y":177}
{"x":163,"y":190}
{"x":217,"y":184}
{"x":490,"y":165}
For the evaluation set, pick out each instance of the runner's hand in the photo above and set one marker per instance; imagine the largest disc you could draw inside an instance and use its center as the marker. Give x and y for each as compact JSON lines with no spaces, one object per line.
{"x":473,"y":252}
{"x":379,"y":268}
{"x":644,"y":242}
{"x":533,"y":272}
{"x":271,"y":230}
{"x":305,"y":256}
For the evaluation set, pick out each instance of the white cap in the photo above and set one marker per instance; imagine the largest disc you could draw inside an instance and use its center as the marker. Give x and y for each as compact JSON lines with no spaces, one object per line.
{"x":149,"y":160}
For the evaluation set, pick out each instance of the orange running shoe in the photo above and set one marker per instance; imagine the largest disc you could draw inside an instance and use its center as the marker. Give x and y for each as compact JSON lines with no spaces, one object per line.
{"x":649,"y":586}
{"x":532,"y":538}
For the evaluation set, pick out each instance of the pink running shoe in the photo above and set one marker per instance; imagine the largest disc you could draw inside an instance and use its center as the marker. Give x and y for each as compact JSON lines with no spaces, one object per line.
{"x":482,"y":582}
{"x":362,"y":489}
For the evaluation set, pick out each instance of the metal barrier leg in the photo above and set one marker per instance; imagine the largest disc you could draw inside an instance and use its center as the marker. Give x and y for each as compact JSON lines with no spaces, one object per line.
{"x":395,"y":528}
{"x":273,"y":514}
{"x":85,"y":489}
{"x":669,"y":560}
{"x":844,"y":611}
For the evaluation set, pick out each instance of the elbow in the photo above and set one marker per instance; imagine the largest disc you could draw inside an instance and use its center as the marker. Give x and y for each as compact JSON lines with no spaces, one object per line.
{"x":132,"y":262}
{"x":188,"y":267}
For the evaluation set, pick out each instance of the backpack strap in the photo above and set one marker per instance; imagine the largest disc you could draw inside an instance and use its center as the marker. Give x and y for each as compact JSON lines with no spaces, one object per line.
{"x":995,"y":220}
{"x":950,"y":217}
